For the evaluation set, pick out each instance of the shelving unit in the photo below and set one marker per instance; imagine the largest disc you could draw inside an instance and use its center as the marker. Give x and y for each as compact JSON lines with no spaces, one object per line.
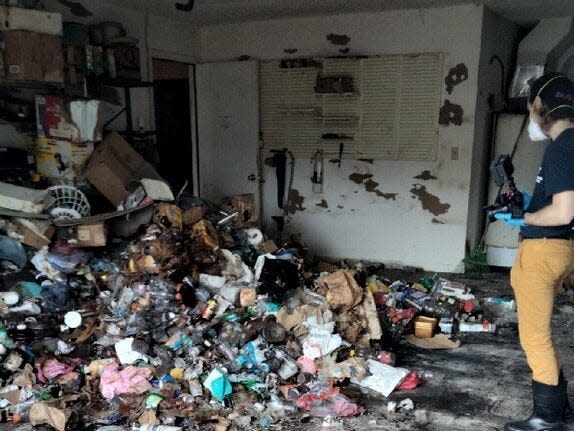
{"x":127,"y":85}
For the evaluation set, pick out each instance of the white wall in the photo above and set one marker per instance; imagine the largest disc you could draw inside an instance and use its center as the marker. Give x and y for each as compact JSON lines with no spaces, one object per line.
{"x":499,"y":38}
{"x":359,"y":224}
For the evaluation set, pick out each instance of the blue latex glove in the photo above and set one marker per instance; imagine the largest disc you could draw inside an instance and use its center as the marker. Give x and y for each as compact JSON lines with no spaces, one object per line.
{"x":526,"y":198}
{"x":507,"y":218}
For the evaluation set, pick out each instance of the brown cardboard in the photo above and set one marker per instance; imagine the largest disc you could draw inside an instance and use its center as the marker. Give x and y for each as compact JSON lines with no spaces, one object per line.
{"x":32,"y":56}
{"x":127,"y":61}
{"x":34,"y":233}
{"x":88,"y":235}
{"x":115,"y":169}
{"x":425,"y":326}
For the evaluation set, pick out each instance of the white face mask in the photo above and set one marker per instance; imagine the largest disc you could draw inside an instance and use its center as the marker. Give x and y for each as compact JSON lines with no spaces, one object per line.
{"x":535,"y":131}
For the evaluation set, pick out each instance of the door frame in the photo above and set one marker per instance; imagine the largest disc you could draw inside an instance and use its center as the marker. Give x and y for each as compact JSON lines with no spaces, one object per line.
{"x":191,"y":61}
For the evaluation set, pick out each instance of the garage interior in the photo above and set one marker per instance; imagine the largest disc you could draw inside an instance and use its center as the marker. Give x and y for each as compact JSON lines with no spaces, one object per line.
{"x":251,"y":214}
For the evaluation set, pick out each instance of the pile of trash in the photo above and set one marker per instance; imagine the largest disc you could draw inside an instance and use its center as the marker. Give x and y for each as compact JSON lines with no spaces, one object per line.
{"x":170,"y":314}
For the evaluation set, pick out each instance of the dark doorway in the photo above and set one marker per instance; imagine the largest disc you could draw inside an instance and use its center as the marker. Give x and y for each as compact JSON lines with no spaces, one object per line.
{"x":173,"y":122}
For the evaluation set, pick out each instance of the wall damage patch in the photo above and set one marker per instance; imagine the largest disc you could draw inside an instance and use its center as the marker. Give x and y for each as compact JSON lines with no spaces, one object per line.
{"x":371,"y":187}
{"x":430,"y":202}
{"x":295,"y":202}
{"x":456,"y":75}
{"x":437,"y":221}
{"x":338,"y":39}
{"x":450,"y":113}
{"x":425,"y":175}
{"x":323,"y":204}
{"x":359,"y":178}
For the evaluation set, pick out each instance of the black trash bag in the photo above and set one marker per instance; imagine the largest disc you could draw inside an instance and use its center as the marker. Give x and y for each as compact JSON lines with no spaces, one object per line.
{"x":277,"y":278}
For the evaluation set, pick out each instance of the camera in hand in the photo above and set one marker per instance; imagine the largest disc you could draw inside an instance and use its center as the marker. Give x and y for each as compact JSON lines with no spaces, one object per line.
{"x":509,"y":199}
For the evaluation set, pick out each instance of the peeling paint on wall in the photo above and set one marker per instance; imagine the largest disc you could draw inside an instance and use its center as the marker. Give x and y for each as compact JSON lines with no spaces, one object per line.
{"x":437,"y":221}
{"x":425,"y":175}
{"x":290,"y":50}
{"x":450,"y":113}
{"x":456,"y":75}
{"x":371,"y":161}
{"x":323,"y":204}
{"x":338,"y":39}
{"x":359,"y":178}
{"x":371,"y":187}
{"x":430,"y":202}
{"x":295,"y":202}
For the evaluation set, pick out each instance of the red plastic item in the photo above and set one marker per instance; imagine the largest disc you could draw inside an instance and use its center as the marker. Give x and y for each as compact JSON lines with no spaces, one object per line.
{"x":411,"y":381}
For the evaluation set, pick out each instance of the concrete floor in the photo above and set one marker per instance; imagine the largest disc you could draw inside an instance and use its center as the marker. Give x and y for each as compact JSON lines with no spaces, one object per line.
{"x":479,"y":386}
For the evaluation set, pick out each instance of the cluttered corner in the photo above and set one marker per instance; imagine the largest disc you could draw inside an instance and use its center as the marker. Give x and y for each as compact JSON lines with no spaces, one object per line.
{"x":174,"y":313}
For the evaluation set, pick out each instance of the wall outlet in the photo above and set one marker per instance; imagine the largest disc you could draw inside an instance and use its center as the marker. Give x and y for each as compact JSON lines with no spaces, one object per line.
{"x":454,"y":153}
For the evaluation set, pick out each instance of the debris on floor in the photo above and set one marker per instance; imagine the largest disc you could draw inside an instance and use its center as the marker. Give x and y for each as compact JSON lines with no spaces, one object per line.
{"x":197,"y":318}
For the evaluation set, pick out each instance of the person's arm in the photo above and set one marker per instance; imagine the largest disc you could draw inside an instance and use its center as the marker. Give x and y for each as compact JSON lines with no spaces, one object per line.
{"x":560,"y":212}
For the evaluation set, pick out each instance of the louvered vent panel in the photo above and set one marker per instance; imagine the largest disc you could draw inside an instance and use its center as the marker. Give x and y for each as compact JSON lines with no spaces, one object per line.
{"x":392,"y":112}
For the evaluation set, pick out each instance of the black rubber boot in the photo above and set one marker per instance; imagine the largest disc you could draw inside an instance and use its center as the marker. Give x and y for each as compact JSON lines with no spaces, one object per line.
{"x":568,"y":413}
{"x":549,"y":403}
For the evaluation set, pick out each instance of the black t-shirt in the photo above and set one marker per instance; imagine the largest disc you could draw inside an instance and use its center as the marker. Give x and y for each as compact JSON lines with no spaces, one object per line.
{"x":555,"y":175}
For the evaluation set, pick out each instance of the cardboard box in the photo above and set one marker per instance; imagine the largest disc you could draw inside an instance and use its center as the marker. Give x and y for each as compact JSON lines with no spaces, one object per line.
{"x":425,"y":326}
{"x":126,"y":61}
{"x":16,"y":18}
{"x":53,"y":119}
{"x":148,"y":191}
{"x":23,"y":199}
{"x":115,"y":169}
{"x":35,"y":233}
{"x":88,"y":235}
{"x":30,"y":56}
{"x":63,"y":160}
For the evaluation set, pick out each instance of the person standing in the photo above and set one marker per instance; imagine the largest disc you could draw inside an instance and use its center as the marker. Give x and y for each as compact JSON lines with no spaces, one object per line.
{"x":546,"y":250}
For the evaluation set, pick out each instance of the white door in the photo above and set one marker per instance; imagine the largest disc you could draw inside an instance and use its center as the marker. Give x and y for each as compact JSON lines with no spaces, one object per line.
{"x":227,"y":129}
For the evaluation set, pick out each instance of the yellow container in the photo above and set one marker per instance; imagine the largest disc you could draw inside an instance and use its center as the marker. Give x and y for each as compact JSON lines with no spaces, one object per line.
{"x":425,"y":326}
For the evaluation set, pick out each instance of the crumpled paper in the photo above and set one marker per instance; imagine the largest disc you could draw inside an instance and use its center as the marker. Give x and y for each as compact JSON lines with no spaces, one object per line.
{"x":342,"y":291}
{"x":321,"y":341}
{"x":384,"y":378}
{"x":42,"y":413}
{"x":130,"y":380}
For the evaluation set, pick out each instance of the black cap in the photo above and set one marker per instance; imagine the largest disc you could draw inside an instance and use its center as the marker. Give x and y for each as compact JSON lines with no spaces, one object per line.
{"x":556,"y":92}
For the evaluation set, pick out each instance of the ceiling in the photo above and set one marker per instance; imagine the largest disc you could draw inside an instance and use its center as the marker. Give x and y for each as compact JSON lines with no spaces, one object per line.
{"x":209,"y":12}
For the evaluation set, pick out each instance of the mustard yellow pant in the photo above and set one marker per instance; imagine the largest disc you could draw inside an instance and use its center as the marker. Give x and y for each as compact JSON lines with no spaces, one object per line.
{"x":536,"y":277}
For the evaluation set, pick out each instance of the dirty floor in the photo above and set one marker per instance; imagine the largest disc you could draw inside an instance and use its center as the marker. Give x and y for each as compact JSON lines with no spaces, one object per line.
{"x":479,"y":386}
